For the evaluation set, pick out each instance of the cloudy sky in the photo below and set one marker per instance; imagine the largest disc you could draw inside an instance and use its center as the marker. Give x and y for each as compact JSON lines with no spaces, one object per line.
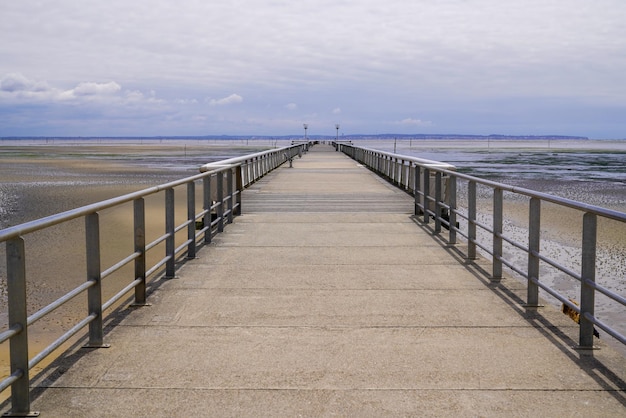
{"x":265,"y":67}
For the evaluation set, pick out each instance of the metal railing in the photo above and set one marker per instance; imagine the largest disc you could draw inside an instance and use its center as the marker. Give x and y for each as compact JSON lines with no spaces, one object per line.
{"x":221,"y":185}
{"x":434,"y":186}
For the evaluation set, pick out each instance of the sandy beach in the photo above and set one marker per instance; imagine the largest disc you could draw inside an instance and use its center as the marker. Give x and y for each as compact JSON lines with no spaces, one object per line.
{"x":42,"y":179}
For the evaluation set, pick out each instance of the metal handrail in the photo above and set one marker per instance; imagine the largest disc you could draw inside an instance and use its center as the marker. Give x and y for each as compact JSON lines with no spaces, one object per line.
{"x":222,"y":183}
{"x":439,"y":201}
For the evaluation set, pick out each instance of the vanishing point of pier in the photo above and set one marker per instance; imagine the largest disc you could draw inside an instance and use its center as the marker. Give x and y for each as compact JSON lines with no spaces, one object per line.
{"x":329,"y":297}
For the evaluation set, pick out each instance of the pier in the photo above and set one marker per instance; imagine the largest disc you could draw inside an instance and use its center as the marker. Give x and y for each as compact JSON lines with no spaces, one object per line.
{"x":329,"y":296}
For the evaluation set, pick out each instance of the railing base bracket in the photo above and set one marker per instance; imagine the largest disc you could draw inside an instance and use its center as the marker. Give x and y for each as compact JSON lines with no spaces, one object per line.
{"x":89,"y":346}
{"x":139,"y":305}
{"x":586,"y":348}
{"x":21,"y":414}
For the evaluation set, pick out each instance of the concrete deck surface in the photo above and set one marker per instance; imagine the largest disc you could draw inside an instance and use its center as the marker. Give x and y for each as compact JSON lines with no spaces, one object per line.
{"x":326,"y":298}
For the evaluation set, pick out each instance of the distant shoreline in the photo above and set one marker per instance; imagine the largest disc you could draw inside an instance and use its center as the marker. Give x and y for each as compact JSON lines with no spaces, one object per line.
{"x":343,"y":137}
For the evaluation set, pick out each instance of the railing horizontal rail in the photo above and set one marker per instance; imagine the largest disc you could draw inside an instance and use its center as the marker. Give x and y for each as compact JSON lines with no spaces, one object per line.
{"x":554,"y":293}
{"x":29,"y":227}
{"x":13,"y":377}
{"x":61,"y":340}
{"x":12,"y":331}
{"x":573,"y":204}
{"x":157,"y":266}
{"x":604,"y":327}
{"x":60,"y":302}
{"x":119,"y":295}
{"x":157,"y":241}
{"x":606,"y":292}
{"x":120,"y":264}
{"x":557,"y":266}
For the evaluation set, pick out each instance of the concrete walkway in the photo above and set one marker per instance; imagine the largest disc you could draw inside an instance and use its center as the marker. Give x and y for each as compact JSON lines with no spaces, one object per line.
{"x":326,"y":298}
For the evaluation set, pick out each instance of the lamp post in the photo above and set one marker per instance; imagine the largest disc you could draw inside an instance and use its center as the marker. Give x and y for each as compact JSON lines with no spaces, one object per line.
{"x":337,"y":128}
{"x":306,"y":126}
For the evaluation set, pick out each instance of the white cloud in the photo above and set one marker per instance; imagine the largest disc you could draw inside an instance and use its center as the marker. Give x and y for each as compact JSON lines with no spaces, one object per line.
{"x":93,"y":89}
{"x":15,"y":82}
{"x":414,"y":122}
{"x":16,"y":89}
{"x":336,"y":111}
{"x":16,"y":85}
{"x":232,"y":99}
{"x":291,"y":106}
{"x":186,"y":101}
{"x":134,"y":96}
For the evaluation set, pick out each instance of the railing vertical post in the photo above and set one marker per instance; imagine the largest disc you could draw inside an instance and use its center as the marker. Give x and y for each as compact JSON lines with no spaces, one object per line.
{"x":534,"y":241}
{"x":170,"y":241}
{"x":220,"y":200}
{"x":437,"y":202}
{"x":384,"y":164}
{"x":245,"y":168}
{"x":381,"y":164}
{"x":231,"y":194}
{"x":191,"y":218}
{"x":94,"y":294}
{"x":451,"y":188}
{"x":588,"y":278}
{"x":207,"y":203}
{"x":471,"y":220}
{"x":398,"y":172}
{"x":417,"y":189}
{"x":406,"y":168}
{"x":239,"y":187}
{"x":139,"y":216}
{"x":426,"y":194}
{"x":18,"y":319}
{"x":395,"y":165}
{"x":497,"y":234}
